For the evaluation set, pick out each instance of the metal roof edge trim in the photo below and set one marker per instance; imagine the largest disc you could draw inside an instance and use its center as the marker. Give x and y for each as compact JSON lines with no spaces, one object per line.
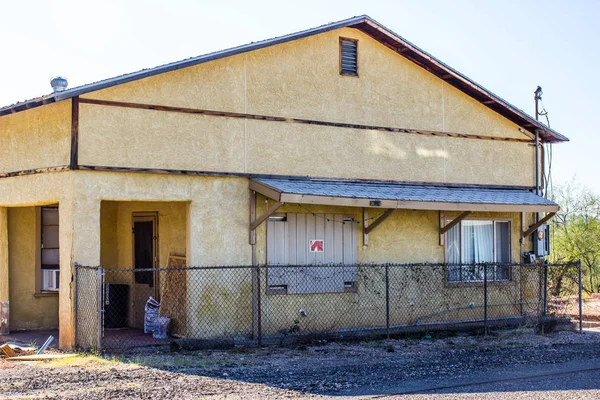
{"x":77,"y":91}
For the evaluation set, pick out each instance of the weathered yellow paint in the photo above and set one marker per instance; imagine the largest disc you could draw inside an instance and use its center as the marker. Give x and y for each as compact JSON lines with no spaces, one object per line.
{"x":36,"y":138}
{"x":190,"y":142}
{"x":217,"y":85}
{"x":4,"y":285}
{"x":207,"y":217}
{"x":416,"y":294}
{"x":116,"y":237}
{"x":27,"y":311}
{"x":277,"y":80}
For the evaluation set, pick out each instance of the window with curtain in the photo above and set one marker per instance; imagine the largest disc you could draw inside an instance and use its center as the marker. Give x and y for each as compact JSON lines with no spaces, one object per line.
{"x":473,"y":242}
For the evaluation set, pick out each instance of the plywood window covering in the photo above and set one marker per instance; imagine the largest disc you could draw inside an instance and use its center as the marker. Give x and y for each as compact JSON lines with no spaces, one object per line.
{"x":474,"y":242}
{"x":348,"y":57}
{"x":50,"y":249}
{"x":289,"y":238}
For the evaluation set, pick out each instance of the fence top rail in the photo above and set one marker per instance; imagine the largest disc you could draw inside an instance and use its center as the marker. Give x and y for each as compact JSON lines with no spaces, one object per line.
{"x":90,"y":267}
{"x":330,"y":265}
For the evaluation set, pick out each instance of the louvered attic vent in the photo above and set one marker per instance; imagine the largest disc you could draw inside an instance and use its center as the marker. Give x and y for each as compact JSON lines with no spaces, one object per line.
{"x":348,"y":57}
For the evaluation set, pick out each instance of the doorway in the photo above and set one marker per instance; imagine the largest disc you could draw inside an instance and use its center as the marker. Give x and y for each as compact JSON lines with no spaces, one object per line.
{"x":145,"y":256}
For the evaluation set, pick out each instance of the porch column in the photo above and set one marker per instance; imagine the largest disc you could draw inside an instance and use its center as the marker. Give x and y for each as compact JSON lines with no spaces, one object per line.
{"x":4,"y":306}
{"x":194,"y":234}
{"x":79,"y":230}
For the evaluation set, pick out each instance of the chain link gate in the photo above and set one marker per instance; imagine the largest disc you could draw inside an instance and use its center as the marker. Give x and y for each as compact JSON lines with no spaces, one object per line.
{"x":88,"y":307}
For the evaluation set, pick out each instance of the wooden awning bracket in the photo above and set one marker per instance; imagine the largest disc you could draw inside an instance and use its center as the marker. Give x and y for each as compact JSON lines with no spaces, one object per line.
{"x":541,"y":222}
{"x":454,"y":222}
{"x":368,"y":229}
{"x":256,"y":223}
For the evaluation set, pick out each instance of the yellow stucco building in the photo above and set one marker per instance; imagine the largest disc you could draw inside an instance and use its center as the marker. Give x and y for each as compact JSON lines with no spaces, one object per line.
{"x":347,"y":121}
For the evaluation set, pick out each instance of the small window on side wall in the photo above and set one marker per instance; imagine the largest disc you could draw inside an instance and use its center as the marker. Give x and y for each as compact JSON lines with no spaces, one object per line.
{"x":348,"y":57}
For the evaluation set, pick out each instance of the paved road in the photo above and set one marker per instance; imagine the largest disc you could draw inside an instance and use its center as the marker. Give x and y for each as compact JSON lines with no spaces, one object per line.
{"x":572,"y":380}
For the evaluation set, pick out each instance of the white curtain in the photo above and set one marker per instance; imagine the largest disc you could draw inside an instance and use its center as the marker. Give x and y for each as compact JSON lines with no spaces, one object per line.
{"x":453,"y":253}
{"x":477,"y":246}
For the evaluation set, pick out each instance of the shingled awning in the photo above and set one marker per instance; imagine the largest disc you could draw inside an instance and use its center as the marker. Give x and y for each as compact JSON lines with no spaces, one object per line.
{"x":407,"y":196}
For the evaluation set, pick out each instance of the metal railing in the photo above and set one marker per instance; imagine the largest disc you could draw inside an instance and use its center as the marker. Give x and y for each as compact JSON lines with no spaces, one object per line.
{"x":226,"y":306}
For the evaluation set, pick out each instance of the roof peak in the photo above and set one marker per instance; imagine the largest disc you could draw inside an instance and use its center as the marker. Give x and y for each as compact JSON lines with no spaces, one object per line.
{"x":362,"y":22}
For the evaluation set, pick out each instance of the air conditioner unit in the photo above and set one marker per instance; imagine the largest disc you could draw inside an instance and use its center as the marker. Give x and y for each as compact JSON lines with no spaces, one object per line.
{"x":50,"y":279}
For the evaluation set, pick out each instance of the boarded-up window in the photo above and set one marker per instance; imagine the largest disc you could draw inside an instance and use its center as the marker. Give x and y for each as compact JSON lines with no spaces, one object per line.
{"x":308,"y":240}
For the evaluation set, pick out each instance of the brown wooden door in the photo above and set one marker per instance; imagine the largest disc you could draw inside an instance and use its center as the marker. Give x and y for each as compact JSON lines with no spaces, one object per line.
{"x":145,"y":256}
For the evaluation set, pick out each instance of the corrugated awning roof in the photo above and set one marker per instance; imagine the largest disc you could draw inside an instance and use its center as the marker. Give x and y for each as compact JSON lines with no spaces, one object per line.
{"x":389,"y":195}
{"x":363,"y":23}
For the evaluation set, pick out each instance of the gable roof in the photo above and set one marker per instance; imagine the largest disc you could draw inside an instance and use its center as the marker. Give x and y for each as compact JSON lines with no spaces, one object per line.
{"x":363,"y":23}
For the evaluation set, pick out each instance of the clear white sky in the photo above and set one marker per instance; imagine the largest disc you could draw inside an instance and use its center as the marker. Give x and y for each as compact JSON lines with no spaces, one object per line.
{"x":508,"y":46}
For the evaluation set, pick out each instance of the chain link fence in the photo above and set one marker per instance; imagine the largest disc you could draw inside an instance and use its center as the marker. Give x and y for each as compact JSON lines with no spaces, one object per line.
{"x":88,"y":307}
{"x":228,"y":306}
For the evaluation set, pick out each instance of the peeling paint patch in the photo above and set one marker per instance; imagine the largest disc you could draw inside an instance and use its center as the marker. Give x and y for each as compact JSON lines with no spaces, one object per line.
{"x":4,"y":317}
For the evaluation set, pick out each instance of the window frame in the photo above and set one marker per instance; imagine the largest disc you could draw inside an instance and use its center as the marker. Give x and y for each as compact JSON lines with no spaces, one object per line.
{"x":510,"y":220}
{"x":342,"y":73}
{"x":40,"y":290}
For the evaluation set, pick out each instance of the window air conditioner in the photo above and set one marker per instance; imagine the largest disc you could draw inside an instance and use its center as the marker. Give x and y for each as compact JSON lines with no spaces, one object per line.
{"x":50,"y":279}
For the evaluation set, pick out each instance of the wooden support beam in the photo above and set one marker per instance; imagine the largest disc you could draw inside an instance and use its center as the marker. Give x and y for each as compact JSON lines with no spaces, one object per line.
{"x":442,"y":223}
{"x":541,"y":222}
{"x":365,"y":226}
{"x":266,"y":215}
{"x":379,"y":220}
{"x":454,"y":222}
{"x":74,"y":159}
{"x":252,"y":215}
{"x":273,"y":118}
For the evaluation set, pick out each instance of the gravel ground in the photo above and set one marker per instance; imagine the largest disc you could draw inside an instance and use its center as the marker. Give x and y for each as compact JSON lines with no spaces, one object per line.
{"x":340,"y":369}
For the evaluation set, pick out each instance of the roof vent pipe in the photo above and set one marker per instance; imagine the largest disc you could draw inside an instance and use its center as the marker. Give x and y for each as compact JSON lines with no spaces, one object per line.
{"x":59,"y":84}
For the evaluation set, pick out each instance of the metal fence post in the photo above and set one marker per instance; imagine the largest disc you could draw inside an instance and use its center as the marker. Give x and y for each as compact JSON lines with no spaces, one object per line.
{"x":76,"y":303}
{"x":387,"y":300}
{"x":100,"y":276}
{"x":545,"y":310}
{"x":258,"y":305}
{"x":580,"y":297}
{"x":485,"y":300}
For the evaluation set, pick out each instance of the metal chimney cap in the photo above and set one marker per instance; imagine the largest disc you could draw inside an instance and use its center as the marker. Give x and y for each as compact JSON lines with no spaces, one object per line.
{"x":59,"y":84}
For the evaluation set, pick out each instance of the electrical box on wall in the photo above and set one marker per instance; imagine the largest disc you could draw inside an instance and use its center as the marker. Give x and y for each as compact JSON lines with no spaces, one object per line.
{"x":541,"y":241}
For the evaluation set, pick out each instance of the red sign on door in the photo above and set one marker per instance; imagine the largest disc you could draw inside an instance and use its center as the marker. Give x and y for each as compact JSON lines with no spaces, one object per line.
{"x":316,"y":246}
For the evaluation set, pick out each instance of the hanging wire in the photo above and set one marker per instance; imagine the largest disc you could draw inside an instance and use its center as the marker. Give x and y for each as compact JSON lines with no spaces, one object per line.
{"x":548,"y":152}
{"x":322,"y":216}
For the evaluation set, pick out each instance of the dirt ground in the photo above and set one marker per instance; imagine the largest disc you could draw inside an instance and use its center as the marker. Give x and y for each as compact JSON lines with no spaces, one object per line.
{"x":369,"y":368}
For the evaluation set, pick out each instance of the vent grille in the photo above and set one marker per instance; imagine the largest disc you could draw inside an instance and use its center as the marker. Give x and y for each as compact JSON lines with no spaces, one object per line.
{"x":348,"y":57}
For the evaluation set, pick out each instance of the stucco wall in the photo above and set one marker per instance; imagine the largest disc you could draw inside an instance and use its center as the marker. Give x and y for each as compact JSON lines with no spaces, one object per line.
{"x":301,"y":79}
{"x":4,"y":287}
{"x":212,"y":225}
{"x":36,"y":138}
{"x":416,"y":293}
{"x":28,"y":311}
{"x":116,"y":222}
